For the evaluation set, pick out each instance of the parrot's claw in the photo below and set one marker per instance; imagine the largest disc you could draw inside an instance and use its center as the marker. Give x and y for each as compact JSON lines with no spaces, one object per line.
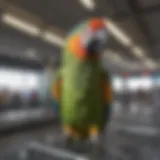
{"x":94,"y":140}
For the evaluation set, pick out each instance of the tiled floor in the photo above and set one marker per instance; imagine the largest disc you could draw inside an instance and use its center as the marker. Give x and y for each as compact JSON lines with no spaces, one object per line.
{"x":19,"y":139}
{"x":124,"y":141}
{"x":133,"y":145}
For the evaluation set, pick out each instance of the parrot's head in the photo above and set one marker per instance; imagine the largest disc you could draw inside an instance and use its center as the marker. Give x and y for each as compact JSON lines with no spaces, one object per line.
{"x":88,"y":39}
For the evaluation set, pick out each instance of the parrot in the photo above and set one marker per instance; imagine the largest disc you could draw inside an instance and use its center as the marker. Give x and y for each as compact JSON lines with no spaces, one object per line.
{"x":81,"y":90}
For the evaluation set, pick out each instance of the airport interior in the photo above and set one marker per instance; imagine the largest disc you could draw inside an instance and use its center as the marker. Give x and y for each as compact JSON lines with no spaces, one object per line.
{"x":32,"y":36}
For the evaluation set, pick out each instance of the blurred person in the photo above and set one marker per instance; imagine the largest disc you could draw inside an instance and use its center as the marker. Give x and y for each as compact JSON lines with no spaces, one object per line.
{"x":25,"y":98}
{"x":4,"y":99}
{"x":143,"y":97}
{"x":127,"y":100}
{"x":82,"y":91}
{"x":34,"y":98}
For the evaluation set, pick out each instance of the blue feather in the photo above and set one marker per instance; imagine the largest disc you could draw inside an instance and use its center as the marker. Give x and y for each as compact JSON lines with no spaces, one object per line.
{"x":55,"y":106}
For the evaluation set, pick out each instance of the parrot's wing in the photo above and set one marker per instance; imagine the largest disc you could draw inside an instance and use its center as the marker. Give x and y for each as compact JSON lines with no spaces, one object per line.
{"x":108,"y":94}
{"x":56,"y":91}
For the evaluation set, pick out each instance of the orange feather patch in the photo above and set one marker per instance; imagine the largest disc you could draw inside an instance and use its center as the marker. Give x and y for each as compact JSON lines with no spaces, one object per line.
{"x":96,"y":24}
{"x":56,"y":91}
{"x":108,"y":95}
{"x":76,"y":47}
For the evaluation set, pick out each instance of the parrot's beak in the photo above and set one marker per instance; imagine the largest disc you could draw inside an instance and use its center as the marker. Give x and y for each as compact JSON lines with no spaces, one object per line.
{"x":93,"y":47}
{"x":97,"y":43}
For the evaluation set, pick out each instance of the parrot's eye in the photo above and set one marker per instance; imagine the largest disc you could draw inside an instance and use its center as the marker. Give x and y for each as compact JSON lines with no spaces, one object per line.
{"x":94,"y":41}
{"x":97,"y":42}
{"x":101,"y":35}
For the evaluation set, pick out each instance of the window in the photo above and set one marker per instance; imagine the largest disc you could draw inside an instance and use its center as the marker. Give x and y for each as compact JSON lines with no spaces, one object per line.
{"x":18,"y":79}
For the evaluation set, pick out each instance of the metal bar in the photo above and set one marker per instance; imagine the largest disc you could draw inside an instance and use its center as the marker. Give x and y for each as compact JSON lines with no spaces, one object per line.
{"x":143,"y":26}
{"x":55,"y":152}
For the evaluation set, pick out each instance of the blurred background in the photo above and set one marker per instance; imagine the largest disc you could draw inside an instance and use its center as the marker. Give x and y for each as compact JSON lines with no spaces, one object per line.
{"x":31,"y":37}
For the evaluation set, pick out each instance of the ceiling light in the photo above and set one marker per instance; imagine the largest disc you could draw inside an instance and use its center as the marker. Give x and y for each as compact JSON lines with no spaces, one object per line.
{"x":20,"y":24}
{"x":118,"y":33}
{"x":150,"y":64}
{"x":138,"y":52}
{"x":89,"y":4}
{"x":135,"y":65}
{"x":116,"y":58}
{"x":31,"y":53}
{"x":111,"y":55}
{"x":53,"y":38}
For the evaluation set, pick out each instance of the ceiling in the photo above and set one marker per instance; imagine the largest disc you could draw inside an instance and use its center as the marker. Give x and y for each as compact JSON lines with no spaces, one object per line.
{"x":138,"y":20}
{"x":13,"y":42}
{"x":18,"y":63}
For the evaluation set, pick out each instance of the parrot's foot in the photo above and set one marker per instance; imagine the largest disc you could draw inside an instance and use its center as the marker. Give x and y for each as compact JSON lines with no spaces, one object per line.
{"x":94,"y":136}
{"x":71,"y":136}
{"x":94,"y":139}
{"x":96,"y":146}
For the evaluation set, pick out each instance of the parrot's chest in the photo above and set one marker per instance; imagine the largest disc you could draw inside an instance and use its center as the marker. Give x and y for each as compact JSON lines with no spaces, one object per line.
{"x":82,"y":83}
{"x":82,"y":95}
